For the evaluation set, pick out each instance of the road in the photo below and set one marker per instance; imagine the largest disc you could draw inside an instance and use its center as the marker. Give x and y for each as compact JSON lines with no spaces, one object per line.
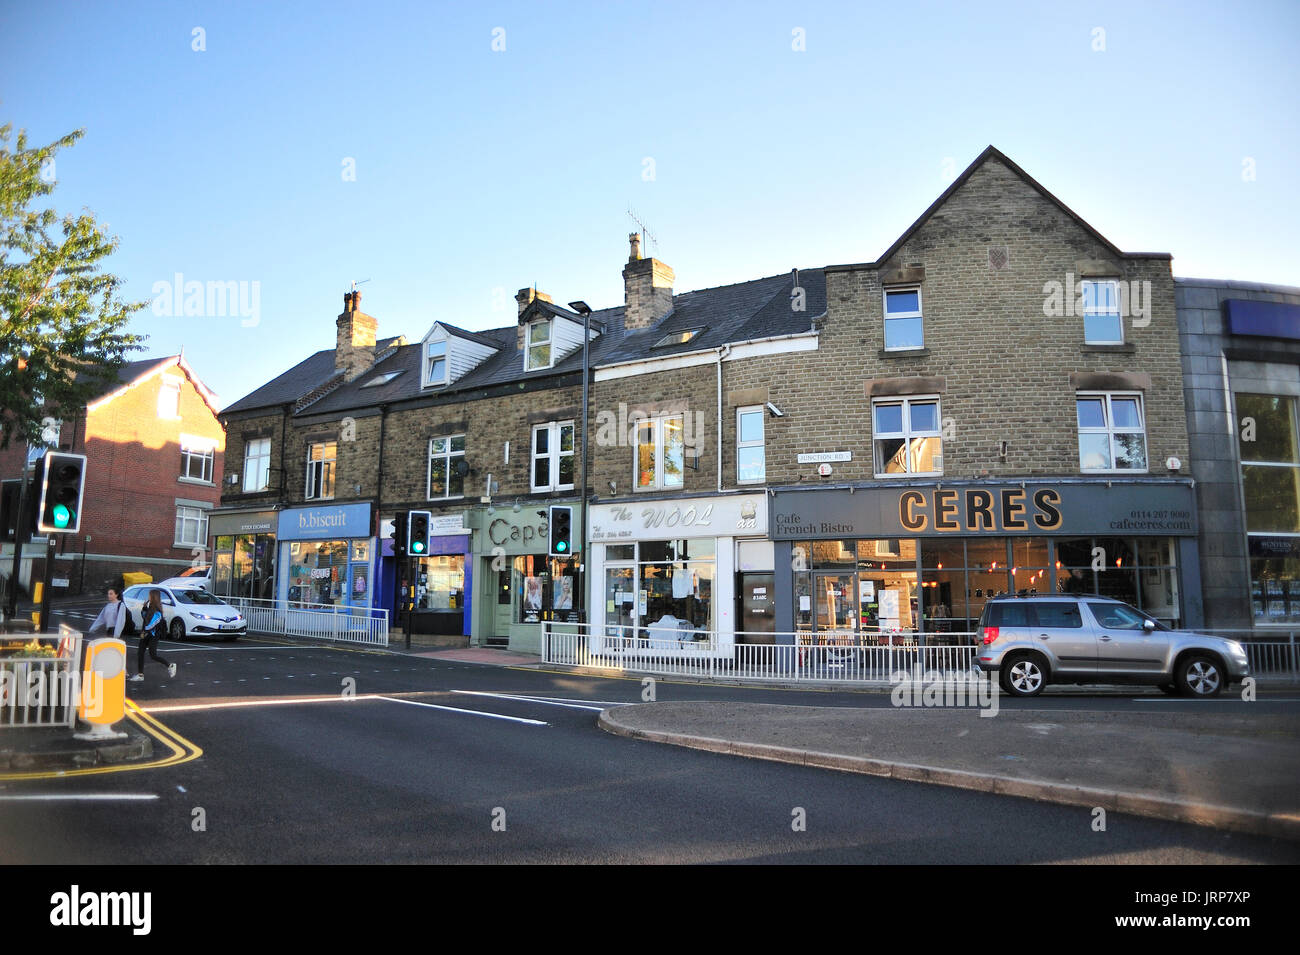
{"x":431,"y":761}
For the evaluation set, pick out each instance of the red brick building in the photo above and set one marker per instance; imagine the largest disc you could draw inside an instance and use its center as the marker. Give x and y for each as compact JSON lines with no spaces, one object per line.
{"x":154,"y":452}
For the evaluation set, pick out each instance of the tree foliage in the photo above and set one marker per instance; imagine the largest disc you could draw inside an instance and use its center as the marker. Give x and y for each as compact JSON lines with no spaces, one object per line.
{"x":62,"y":325}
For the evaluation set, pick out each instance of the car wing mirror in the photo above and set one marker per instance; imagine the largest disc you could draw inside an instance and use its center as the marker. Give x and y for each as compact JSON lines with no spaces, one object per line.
{"x":1149,"y":626}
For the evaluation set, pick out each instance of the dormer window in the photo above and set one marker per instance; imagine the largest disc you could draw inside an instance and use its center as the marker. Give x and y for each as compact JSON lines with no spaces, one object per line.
{"x":435,"y":363}
{"x":537,"y":345}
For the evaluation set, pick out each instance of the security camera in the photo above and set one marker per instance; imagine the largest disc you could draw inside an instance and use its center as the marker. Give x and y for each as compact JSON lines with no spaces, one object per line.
{"x":776,"y":412}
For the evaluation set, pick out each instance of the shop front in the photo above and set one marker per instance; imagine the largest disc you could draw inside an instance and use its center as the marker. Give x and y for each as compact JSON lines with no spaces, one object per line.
{"x":326,"y":555}
{"x":443,"y":579}
{"x":243,"y":553}
{"x":666,"y":575}
{"x":520,"y":586}
{"x":898,"y":563}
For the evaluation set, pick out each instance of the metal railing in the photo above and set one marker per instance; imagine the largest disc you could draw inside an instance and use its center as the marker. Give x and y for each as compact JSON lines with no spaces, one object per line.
{"x":861,"y":657}
{"x":40,"y":684}
{"x":342,"y":623}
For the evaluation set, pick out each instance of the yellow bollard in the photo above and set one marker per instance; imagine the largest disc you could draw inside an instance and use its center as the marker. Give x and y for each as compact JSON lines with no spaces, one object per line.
{"x":103,"y":688}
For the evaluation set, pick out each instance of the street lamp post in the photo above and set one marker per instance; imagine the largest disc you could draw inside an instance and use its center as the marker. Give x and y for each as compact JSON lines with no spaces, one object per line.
{"x":583,"y":309}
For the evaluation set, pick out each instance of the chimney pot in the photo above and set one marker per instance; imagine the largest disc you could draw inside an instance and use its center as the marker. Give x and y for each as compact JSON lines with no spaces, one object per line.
{"x":347,"y":301}
{"x":635,"y":241}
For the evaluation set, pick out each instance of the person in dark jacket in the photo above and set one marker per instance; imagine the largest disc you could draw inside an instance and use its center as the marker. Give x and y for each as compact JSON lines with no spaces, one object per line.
{"x":152,"y":626}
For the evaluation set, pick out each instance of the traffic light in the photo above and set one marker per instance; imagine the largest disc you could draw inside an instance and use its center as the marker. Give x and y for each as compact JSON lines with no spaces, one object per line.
{"x":62,"y":486}
{"x":561,"y":530}
{"x":399,"y":534}
{"x":417,"y":533}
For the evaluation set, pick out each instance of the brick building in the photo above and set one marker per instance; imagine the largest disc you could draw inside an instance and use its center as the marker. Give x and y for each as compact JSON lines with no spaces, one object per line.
{"x":995,"y":404}
{"x":154,"y":451}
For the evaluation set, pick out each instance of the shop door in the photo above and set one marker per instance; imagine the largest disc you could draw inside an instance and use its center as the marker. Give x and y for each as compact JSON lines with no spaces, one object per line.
{"x":620,"y":602}
{"x":757,"y":608}
{"x":503,"y":606}
{"x":836,"y":601}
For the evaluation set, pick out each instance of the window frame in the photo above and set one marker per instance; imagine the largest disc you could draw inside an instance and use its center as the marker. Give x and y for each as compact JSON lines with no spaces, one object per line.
{"x":428,"y":360}
{"x":181,"y":521}
{"x":907,"y":434}
{"x":327,"y":468}
{"x":1110,"y":430}
{"x":888,"y":317}
{"x":530,"y":344}
{"x":761,"y":443}
{"x":659,"y":423}
{"x":554,"y":454}
{"x":207,"y":463}
{"x":264,"y":471}
{"x":1118,"y":311}
{"x":169,"y":385}
{"x":449,"y":456}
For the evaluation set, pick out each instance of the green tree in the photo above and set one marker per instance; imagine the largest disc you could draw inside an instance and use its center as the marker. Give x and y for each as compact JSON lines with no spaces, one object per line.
{"x":62,"y":326}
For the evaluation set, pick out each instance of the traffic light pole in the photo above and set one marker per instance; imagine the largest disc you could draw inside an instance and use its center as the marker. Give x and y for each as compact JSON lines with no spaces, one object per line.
{"x":21,"y":532}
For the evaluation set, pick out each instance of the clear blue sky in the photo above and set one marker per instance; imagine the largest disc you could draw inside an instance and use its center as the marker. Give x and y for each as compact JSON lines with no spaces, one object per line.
{"x":478,"y":172}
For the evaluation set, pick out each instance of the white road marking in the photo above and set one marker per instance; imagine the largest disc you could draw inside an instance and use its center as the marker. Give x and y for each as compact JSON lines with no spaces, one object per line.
{"x":570,"y":704}
{"x":80,"y":797}
{"x":1215,"y":699}
{"x":453,"y":709}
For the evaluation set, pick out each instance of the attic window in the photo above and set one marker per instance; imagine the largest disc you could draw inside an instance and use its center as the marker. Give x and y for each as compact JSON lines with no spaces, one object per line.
{"x":435,"y":363}
{"x":537,"y":345}
{"x":678,"y":338}
{"x":383,"y":379}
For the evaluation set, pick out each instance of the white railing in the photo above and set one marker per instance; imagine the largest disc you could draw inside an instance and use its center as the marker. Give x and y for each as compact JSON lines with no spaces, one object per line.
{"x":40,"y":685}
{"x":864,"y":658}
{"x":867,"y":658}
{"x":342,"y":623}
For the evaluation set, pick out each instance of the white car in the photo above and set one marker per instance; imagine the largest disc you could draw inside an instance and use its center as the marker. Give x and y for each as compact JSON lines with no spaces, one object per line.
{"x":188,"y":611}
{"x":194,"y":577}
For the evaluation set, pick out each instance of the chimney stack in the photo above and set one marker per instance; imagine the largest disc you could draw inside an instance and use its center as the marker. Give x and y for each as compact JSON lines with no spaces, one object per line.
{"x":647,"y":288}
{"x":354,"y":343}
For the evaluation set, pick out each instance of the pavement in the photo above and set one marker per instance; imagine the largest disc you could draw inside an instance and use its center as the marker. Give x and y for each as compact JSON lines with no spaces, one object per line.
{"x":1216,"y":768}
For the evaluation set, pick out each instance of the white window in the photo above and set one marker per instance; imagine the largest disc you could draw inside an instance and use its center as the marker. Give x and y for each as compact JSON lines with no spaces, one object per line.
{"x":553,"y":456}
{"x":537,"y":345}
{"x":435,"y":363}
{"x":197,"y":457}
{"x":191,"y":527}
{"x":903,"y":322}
{"x":751,"y":453}
{"x":906,"y":436}
{"x":660,"y":453}
{"x":320,"y":471}
{"x":1112,"y":435}
{"x":447,"y":467}
{"x":1102,"y":323}
{"x":257,"y":465}
{"x":169,"y":399}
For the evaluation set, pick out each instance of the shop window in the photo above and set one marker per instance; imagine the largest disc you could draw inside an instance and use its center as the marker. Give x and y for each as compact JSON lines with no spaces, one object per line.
{"x":660,"y":453}
{"x":318,"y":572}
{"x":906,"y":436}
{"x":257,"y":465}
{"x":537,"y":345}
{"x":1112,"y":436}
{"x":1102,"y":321}
{"x":320,"y":471}
{"x":751,"y":453}
{"x":435,"y":363}
{"x":553,"y":456}
{"x":903,"y":322}
{"x":447,"y":468}
{"x":546,"y":587}
{"x":197,"y":457}
{"x":441,"y":582}
{"x":191,"y":527}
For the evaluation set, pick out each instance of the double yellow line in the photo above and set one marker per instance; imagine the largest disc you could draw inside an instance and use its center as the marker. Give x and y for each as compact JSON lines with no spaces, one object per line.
{"x":181,"y":750}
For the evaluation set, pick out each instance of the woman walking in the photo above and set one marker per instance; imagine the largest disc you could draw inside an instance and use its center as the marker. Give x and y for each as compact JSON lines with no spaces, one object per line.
{"x":152,"y":627}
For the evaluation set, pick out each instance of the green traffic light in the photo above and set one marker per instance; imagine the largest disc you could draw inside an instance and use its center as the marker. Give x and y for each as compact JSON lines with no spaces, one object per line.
{"x":62,"y":516}
{"x":562,"y":545}
{"x":417,"y":547}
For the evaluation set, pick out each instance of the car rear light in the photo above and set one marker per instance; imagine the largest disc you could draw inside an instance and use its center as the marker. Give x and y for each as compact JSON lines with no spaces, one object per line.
{"x":990,"y":634}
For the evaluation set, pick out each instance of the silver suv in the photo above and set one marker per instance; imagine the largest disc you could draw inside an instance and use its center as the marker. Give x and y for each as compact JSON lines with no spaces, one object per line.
{"x":1033,"y":641}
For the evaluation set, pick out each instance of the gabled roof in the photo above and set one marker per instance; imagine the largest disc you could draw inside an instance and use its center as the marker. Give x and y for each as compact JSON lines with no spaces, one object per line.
{"x":300,"y":380}
{"x":990,"y":153}
{"x":464,"y":333}
{"x":134,"y":373}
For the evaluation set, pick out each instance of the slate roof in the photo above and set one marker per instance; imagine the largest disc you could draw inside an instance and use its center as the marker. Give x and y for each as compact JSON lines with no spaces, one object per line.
{"x":302,"y":378}
{"x":128,"y":373}
{"x":747,"y":311}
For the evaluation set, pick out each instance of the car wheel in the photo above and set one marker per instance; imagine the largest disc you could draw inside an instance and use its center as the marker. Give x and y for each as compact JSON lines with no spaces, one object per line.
{"x":1200,"y":676}
{"x":178,"y":628}
{"x":1023,"y":676}
{"x":1169,"y":688}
